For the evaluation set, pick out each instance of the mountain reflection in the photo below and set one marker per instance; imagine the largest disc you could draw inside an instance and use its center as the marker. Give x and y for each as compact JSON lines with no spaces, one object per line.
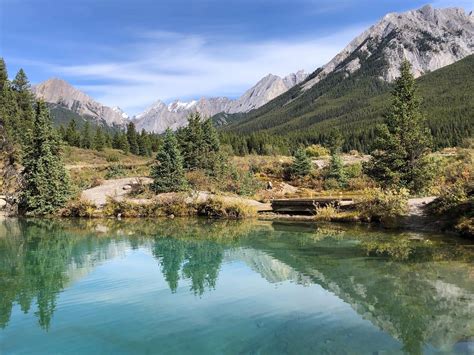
{"x":417,"y":288}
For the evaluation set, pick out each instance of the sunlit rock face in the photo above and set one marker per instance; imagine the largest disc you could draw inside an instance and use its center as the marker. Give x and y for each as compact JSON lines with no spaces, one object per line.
{"x":428,"y":38}
{"x":159,"y":116}
{"x":58,"y":91}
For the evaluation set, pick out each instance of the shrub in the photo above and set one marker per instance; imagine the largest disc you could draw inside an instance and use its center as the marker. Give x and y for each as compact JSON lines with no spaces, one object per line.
{"x":353,"y":170}
{"x":177,"y":205}
{"x":114,"y":208}
{"x":79,"y":208}
{"x":378,"y":204}
{"x":220,"y":208}
{"x":115,"y":171}
{"x":112,"y":157}
{"x":331,"y":184}
{"x":326,"y":213}
{"x":239,"y":182}
{"x":317,"y":150}
{"x":450,"y":198}
{"x":465,"y":226}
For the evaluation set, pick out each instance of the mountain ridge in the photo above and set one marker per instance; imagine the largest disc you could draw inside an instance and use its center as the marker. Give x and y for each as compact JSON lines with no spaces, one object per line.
{"x":159,"y":116}
{"x":59,"y":92}
{"x":341,"y":90}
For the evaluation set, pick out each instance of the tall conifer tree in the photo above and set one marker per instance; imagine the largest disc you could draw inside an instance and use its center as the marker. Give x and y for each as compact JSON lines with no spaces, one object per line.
{"x":46,"y":183}
{"x":132,"y":139}
{"x":25,"y":100}
{"x":168,"y":172}
{"x":403,"y":141}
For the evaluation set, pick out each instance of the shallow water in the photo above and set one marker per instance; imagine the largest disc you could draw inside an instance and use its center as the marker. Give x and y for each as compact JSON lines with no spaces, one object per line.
{"x":192,"y":286}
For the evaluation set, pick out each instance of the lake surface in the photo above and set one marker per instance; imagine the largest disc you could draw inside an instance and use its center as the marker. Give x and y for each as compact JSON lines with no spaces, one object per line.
{"x":253,"y":287}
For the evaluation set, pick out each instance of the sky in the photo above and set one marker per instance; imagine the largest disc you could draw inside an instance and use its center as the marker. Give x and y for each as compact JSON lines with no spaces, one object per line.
{"x":132,"y":53}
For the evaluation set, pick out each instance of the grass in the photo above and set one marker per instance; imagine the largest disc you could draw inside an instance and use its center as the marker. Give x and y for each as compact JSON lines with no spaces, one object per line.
{"x":73,"y":156}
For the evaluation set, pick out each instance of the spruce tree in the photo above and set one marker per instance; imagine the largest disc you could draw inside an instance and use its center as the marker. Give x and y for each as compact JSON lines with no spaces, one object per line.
{"x":123,"y":143}
{"x":132,"y":139}
{"x":336,"y":170}
{"x":193,"y":144}
{"x":211,"y":136}
{"x":46,"y":183}
{"x":86,"y":136}
{"x":403,"y":141}
{"x":9,"y":112}
{"x":25,"y":100}
{"x":168,"y":172}
{"x":99,"y":139}
{"x":72,"y":136}
{"x":302,"y":165}
{"x":144,"y":144}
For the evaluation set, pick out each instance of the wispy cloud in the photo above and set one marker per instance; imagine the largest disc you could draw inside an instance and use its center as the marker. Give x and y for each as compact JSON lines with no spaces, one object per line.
{"x":169,"y":65}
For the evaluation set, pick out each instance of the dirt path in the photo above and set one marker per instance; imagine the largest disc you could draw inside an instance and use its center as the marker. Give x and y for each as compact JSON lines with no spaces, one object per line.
{"x":116,"y":188}
{"x":416,"y":205}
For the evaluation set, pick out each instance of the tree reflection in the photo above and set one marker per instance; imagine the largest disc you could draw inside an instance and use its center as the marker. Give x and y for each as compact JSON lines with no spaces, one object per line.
{"x":198,"y":261}
{"x":33,"y":268}
{"x":417,"y":289}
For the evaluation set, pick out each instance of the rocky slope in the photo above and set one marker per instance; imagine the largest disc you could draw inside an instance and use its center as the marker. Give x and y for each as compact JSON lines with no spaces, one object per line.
{"x":59,"y":92}
{"x":429,"y":38}
{"x":350,"y":93}
{"x":158,"y":117}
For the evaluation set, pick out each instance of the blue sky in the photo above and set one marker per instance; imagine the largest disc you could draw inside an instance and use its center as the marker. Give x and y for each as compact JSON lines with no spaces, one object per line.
{"x":131,"y":53}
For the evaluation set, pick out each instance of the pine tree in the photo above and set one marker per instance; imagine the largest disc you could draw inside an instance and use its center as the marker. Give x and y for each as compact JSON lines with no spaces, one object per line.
{"x":86,"y":136}
{"x":144,"y":144}
{"x":99,"y":139}
{"x":336,"y":170}
{"x":123,"y":143}
{"x":72,"y":136}
{"x":46,"y":183}
{"x":193,"y":145}
{"x":132,"y":138}
{"x":211,"y":136}
{"x":402,"y":144}
{"x":168,"y":172}
{"x":9,"y":111}
{"x":24,"y":98}
{"x":302,"y":165}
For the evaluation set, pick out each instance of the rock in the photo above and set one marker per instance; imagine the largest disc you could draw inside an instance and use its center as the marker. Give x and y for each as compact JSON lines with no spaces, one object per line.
{"x":126,"y":187}
{"x":171,"y":216}
{"x":60,"y":92}
{"x":3,"y":203}
{"x":158,"y":117}
{"x":269,"y":185}
{"x":429,"y":38}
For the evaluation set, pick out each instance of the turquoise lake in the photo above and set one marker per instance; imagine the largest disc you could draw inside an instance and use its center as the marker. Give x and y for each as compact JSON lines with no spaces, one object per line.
{"x":191,"y":286}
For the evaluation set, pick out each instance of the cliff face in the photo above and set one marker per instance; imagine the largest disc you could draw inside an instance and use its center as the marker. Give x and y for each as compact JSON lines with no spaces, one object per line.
{"x":57,"y":91}
{"x":428,"y":38}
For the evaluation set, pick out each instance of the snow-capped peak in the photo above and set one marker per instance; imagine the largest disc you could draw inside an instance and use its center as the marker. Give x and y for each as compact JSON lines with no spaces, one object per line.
{"x":120,"y":111}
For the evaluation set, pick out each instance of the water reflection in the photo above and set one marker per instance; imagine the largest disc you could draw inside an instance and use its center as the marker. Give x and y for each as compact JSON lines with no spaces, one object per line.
{"x":417,"y":288}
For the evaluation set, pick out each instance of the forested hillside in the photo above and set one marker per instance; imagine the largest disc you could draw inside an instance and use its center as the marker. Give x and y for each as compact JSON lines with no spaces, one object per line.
{"x":353,"y":105}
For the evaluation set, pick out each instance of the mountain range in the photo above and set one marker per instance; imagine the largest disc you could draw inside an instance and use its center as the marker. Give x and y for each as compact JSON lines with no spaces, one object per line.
{"x":63,"y":97}
{"x":350,"y":92}
{"x":339,"y":94}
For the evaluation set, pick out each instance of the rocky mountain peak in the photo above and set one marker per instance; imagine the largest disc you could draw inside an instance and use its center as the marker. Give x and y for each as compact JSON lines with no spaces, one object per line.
{"x":429,"y":38}
{"x":160,"y":116}
{"x":59,"y":92}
